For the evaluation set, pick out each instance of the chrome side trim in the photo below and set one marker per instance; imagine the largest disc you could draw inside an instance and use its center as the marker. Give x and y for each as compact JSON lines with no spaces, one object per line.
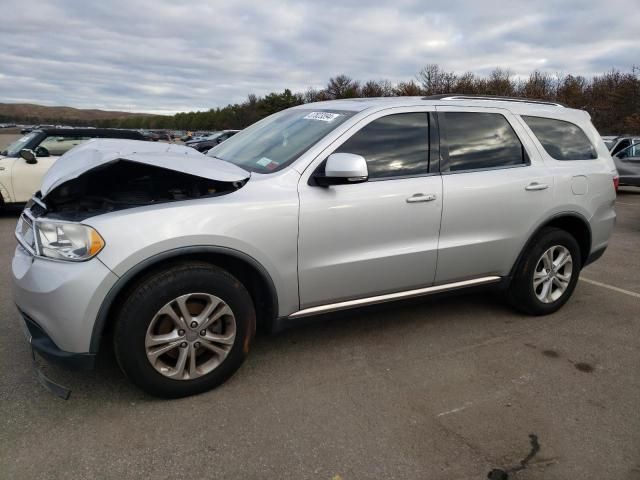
{"x":361,"y":302}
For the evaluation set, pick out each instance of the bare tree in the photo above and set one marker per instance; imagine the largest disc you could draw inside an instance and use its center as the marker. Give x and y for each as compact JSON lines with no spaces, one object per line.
{"x":539,"y":85}
{"x":342,"y":86}
{"x":434,"y":80}
{"x":408,"y":89}
{"x":499,"y":83}
{"x":379,"y":88}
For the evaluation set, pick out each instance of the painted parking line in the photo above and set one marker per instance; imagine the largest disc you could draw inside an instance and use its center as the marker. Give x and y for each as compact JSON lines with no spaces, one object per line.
{"x":611,"y":287}
{"x":627,"y":204}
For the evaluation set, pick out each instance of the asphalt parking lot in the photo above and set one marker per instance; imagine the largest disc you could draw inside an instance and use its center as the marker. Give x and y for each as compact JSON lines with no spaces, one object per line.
{"x":442,"y":388}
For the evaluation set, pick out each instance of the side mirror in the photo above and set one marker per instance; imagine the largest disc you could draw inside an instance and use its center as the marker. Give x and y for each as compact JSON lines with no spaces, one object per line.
{"x":342,"y":169}
{"x":29,"y":156}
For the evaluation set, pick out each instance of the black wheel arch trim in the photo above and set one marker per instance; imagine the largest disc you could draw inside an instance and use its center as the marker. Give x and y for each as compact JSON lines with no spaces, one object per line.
{"x":545,"y":224}
{"x":123,"y":281}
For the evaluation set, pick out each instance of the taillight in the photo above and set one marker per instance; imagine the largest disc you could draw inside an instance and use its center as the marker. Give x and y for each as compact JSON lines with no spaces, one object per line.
{"x":616,"y":182}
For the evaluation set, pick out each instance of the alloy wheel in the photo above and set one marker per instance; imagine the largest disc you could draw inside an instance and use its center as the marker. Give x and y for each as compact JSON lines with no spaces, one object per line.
{"x":552,"y":274}
{"x":190,"y":336}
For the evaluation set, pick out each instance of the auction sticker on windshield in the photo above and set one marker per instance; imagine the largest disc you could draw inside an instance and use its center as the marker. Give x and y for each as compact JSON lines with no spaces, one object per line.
{"x":322,"y":116}
{"x":267,"y":163}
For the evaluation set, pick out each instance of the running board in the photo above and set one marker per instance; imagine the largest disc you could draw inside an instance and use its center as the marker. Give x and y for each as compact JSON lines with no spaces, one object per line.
{"x":362,"y":302}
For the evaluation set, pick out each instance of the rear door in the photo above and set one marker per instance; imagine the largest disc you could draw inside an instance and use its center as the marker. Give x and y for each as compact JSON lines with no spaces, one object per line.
{"x":379,"y":236}
{"x":495,"y":190}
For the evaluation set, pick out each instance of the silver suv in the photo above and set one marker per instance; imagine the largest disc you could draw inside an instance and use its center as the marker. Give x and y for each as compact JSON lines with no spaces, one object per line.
{"x":322,"y":207}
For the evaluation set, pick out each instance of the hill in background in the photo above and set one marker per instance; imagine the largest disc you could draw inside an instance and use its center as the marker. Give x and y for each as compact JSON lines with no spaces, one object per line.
{"x":31,"y":113}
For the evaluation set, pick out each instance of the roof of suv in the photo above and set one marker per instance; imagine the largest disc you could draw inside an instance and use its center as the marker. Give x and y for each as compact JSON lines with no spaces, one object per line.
{"x":515,"y":105}
{"x":94,"y":132}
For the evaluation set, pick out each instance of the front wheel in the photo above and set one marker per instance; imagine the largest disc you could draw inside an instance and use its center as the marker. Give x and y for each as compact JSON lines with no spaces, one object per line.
{"x":547,"y":274}
{"x":184,"y":330}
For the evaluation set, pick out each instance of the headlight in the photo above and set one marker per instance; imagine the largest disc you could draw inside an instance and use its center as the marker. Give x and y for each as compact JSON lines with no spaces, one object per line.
{"x":68,"y":241}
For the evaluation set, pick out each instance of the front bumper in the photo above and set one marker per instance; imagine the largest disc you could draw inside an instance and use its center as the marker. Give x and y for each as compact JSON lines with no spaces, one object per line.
{"x":61,"y":299}
{"x":42,"y":344}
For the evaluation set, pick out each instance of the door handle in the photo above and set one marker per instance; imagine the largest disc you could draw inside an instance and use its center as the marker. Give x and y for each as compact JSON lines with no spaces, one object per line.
{"x":421,"y":197}
{"x":536,"y":186}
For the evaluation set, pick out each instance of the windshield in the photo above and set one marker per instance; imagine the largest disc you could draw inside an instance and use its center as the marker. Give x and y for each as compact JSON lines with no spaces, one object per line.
{"x":275,"y":142}
{"x":14,"y":149}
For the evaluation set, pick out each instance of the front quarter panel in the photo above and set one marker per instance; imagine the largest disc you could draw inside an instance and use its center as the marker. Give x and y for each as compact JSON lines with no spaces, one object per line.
{"x":259,"y":220}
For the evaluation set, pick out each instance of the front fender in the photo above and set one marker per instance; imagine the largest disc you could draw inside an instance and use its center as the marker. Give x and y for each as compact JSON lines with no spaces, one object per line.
{"x":122,"y":282}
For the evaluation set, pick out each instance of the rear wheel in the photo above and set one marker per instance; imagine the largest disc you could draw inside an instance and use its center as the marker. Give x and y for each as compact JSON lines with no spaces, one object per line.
{"x":184,"y":330}
{"x":547,"y":274}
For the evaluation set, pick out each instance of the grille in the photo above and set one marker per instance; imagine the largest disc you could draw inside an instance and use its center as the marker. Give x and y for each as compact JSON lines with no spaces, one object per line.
{"x":36,"y":207}
{"x":37,"y":210}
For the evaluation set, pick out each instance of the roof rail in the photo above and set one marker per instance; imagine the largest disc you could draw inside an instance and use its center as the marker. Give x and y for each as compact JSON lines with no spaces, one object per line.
{"x":455,"y":96}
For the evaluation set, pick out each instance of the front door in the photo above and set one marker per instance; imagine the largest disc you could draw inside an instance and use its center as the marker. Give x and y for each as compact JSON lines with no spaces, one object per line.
{"x":376,"y":237}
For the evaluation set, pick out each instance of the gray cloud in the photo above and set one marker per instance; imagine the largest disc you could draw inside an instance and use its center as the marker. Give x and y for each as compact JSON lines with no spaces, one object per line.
{"x":164,"y":56}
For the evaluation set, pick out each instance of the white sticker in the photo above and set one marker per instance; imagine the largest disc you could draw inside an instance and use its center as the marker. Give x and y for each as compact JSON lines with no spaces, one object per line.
{"x":322,"y":116}
{"x":264,"y":161}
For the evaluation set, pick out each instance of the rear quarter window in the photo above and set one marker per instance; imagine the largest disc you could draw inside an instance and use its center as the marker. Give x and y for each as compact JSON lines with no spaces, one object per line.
{"x":561,"y":140}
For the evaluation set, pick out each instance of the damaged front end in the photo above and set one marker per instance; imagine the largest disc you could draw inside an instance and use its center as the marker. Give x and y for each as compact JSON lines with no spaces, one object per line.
{"x":109,"y":175}
{"x":125,"y":184}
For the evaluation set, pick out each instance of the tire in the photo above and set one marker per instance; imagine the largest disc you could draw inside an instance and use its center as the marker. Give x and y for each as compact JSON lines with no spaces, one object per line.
{"x":525,"y":291}
{"x":153,"y":312}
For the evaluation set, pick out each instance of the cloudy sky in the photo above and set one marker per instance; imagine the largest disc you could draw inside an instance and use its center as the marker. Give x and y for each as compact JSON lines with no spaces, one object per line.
{"x":166,"y":56}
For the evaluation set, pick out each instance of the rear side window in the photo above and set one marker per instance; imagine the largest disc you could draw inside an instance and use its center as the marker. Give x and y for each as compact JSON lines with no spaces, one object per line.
{"x":393,"y":146}
{"x":481,"y":140}
{"x":562,"y":140}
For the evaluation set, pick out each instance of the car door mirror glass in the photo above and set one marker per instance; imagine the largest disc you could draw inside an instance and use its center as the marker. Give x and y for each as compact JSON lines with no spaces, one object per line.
{"x":28,"y":155}
{"x":344,"y":168}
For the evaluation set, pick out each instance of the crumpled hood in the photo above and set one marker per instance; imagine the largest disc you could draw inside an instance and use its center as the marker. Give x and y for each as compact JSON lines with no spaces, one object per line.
{"x":94,"y":153}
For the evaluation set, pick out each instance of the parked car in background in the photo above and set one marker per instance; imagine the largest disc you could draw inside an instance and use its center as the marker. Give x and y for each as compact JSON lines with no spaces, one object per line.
{"x":28,"y":129}
{"x":621,"y":142}
{"x":628,"y":165}
{"x":195,"y":135}
{"x":203,"y":144}
{"x":610,"y":141}
{"x":25,"y":161}
{"x":150,"y":135}
{"x":317,"y":208}
{"x":163,"y":135}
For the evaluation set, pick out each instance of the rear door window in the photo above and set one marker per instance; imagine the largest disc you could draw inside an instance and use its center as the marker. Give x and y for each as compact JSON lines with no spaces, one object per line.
{"x":479,"y":140}
{"x":561,"y":140}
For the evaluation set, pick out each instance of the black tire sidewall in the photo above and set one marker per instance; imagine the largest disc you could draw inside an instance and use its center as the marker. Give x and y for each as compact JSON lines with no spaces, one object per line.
{"x":522,"y":293}
{"x":150,"y":295}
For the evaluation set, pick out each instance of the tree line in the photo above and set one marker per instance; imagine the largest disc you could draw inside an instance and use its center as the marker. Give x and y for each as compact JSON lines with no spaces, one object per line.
{"x":612,"y":98}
